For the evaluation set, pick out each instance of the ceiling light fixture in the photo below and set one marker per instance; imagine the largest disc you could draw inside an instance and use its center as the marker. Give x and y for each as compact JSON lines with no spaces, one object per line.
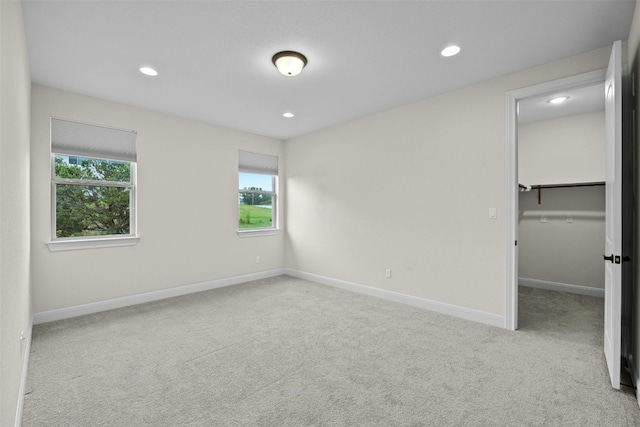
{"x":148,"y":71}
{"x":289,"y":63}
{"x":558,"y":100}
{"x":288,"y":114}
{"x":450,"y":50}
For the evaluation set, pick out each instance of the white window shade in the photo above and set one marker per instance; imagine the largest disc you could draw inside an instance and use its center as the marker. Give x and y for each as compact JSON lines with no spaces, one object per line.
{"x":257,"y":163}
{"x":85,"y":140}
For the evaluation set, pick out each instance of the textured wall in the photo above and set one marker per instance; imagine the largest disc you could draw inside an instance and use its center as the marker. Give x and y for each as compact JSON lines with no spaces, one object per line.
{"x":633,"y":47}
{"x":558,"y":251}
{"x":410,"y":190}
{"x":564,"y":150}
{"x":15,"y":314}
{"x":559,"y":151}
{"x":187,"y":207}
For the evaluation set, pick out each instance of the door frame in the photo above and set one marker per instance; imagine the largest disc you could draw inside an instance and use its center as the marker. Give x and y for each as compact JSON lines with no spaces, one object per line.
{"x":512,"y":201}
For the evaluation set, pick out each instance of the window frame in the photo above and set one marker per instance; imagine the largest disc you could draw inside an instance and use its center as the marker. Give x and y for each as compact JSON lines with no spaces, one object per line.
{"x":275,"y":225}
{"x":88,"y":242}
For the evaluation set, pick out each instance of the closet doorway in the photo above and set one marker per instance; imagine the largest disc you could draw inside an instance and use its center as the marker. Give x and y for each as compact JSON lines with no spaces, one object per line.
{"x":561,"y":221}
{"x":614,"y":174}
{"x":538,"y":93}
{"x":561,"y":176}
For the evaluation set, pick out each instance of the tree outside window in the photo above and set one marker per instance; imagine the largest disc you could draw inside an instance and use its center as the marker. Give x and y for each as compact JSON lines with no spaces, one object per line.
{"x":93,"y":197}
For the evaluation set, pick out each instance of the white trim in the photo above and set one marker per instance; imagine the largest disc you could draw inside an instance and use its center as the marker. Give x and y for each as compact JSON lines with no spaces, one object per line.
{"x":91,"y":243}
{"x":511,"y":172}
{"x":562,"y":287}
{"x":23,"y":379}
{"x":98,"y":306}
{"x":258,"y":232}
{"x":511,"y":208}
{"x":438,"y":307}
{"x":133,"y":212}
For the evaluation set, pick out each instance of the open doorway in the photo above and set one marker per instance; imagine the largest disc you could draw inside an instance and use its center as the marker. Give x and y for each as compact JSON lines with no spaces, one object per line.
{"x":561,"y":176}
{"x":616,"y":254}
{"x":561,"y":221}
{"x":514,"y":100}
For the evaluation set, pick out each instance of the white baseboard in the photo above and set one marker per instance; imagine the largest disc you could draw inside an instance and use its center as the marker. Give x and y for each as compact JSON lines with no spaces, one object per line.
{"x":439,"y":307}
{"x":23,"y":378}
{"x":98,"y":306}
{"x":562,"y":287}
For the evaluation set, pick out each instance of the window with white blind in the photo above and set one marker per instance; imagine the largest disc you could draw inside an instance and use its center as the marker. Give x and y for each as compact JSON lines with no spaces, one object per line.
{"x":257,"y":193}
{"x":93,"y":185}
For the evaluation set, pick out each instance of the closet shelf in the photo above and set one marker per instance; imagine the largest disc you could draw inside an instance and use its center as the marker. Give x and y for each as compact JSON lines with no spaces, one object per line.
{"x":539,"y":187}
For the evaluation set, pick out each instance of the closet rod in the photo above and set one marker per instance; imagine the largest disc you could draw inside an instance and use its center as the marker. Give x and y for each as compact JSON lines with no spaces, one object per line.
{"x":541,"y":186}
{"x":577,"y":184}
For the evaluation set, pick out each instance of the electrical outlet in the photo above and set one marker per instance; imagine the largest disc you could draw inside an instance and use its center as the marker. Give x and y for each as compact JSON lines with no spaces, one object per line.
{"x":569,"y":219}
{"x":257,"y":260}
{"x":387,"y":273}
{"x":543,"y":219}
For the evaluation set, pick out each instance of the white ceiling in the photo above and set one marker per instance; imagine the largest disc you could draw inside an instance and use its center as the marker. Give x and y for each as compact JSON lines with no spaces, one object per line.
{"x":214,"y":57}
{"x":581,"y":101}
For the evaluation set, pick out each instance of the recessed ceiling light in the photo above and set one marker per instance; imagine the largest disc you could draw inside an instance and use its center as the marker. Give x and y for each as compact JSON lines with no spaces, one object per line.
{"x":558,"y":100}
{"x":450,"y":50}
{"x":288,"y":115}
{"x":148,"y":71}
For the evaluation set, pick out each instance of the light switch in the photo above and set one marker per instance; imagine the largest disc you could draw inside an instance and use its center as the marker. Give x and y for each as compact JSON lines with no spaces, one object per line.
{"x":493,"y":213}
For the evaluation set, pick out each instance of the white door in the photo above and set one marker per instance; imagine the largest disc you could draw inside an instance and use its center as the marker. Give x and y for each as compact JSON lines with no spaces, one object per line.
{"x":613,"y":221}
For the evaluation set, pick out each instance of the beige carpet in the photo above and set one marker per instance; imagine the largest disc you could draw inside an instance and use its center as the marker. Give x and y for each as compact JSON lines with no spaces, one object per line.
{"x":288,"y":352}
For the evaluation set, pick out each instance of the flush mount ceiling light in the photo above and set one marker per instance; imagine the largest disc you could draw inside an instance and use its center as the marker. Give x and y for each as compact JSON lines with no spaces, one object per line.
{"x":558,"y":100}
{"x":288,"y":114}
{"x":148,"y":71}
{"x":450,"y":50}
{"x":289,"y":63}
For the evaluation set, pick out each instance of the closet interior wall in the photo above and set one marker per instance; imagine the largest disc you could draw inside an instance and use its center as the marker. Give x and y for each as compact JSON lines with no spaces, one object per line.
{"x":562,"y":205}
{"x":561,"y":240}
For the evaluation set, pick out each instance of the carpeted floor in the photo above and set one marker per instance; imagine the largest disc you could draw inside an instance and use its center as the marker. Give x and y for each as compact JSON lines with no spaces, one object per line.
{"x":287,"y":352}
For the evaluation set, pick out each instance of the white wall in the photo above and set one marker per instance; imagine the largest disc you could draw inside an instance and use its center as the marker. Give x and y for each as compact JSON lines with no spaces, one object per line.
{"x":410,"y":190}
{"x":557,"y":251}
{"x":633,"y":47}
{"x":564,"y":150}
{"x":15,"y":314}
{"x":187,"y":207}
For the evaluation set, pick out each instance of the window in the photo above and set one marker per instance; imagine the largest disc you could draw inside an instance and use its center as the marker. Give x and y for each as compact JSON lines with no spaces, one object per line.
{"x":93,"y":183}
{"x":257,"y":193}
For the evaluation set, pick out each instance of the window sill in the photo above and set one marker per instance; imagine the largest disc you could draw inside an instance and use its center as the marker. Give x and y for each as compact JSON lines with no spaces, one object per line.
{"x":257,"y":232}
{"x":77,"y":244}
